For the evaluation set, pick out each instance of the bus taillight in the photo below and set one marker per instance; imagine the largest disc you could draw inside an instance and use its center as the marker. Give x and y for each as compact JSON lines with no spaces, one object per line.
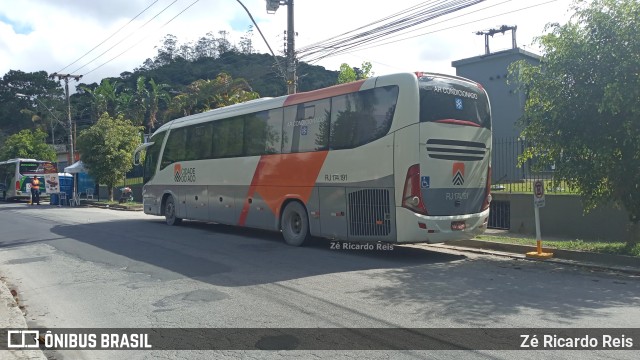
{"x":412,"y":196}
{"x":487,"y":192}
{"x":17,"y":185}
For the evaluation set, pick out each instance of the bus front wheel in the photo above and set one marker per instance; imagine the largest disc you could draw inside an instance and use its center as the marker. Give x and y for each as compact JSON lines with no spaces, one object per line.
{"x":170,"y":212}
{"x":295,"y":224}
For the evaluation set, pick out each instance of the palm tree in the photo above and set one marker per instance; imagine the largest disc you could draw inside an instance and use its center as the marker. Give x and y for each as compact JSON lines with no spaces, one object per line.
{"x":204,"y":95}
{"x":157,"y":93}
{"x":105,"y":97}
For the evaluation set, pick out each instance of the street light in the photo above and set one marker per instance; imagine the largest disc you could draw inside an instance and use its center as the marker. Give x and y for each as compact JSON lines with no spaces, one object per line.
{"x":284,"y":75}
{"x":49,"y":110}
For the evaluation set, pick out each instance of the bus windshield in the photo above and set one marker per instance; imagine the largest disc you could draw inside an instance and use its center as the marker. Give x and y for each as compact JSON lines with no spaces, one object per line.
{"x":451,"y":100}
{"x":37,"y":167}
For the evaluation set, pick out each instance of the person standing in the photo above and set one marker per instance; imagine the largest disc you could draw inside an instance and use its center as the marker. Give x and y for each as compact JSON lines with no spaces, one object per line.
{"x":35,"y":190}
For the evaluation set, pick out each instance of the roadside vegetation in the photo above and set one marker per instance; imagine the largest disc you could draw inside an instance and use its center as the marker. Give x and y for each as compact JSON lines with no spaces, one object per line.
{"x":604,"y":247}
{"x":130,"y":205}
{"x":581,"y":110}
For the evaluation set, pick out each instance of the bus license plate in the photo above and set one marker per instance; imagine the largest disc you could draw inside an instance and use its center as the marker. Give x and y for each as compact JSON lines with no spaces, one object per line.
{"x":458,"y":225}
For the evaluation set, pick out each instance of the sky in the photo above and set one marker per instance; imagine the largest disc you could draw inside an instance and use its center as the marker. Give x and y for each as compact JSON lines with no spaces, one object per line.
{"x":104,"y":38}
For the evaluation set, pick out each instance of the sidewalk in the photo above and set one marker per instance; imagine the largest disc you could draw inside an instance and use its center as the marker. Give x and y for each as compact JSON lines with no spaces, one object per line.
{"x":620,"y":263}
{"x":11,"y":318}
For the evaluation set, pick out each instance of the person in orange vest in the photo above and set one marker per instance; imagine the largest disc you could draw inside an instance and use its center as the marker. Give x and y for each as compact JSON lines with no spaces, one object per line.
{"x":35,"y":190}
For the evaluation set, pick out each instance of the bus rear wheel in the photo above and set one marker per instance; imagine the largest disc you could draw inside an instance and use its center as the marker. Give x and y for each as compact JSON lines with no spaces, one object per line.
{"x":170,"y":212}
{"x":295,"y":224}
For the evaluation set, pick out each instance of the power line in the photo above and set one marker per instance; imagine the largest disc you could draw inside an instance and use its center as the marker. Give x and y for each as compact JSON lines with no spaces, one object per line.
{"x":455,"y":26}
{"x":436,"y":23}
{"x":132,"y":46}
{"x":126,"y":38}
{"x":107,"y":39}
{"x":347,"y":46}
{"x":416,"y":15}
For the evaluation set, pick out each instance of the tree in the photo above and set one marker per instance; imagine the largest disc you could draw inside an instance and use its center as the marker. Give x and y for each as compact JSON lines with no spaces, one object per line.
{"x":206,"y":47}
{"x":157,"y":93}
{"x":246,"y":41}
{"x":105,"y":96}
{"x":582,"y":112}
{"x":37,"y":86}
{"x":107,"y":149}
{"x":204,"y":95}
{"x":167,"y":52}
{"x":27,"y":144}
{"x":349,"y":74}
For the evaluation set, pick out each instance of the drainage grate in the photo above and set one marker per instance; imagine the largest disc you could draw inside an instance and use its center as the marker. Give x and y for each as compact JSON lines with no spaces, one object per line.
{"x":369,"y":213}
{"x":500,"y":215}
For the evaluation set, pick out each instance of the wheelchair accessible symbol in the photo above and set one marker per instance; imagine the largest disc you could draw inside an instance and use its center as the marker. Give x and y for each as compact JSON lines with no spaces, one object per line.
{"x":425,"y":182}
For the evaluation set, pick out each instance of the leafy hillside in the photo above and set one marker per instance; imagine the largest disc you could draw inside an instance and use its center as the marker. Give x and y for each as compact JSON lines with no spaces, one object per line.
{"x":259,"y":70}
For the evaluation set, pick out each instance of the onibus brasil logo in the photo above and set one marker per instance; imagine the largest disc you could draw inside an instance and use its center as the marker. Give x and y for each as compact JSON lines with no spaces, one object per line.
{"x":184,"y":174}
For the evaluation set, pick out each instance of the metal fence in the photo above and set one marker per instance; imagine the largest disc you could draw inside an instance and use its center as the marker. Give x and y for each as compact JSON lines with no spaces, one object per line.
{"x":134,"y":176}
{"x":499,"y":215}
{"x":508,"y":175}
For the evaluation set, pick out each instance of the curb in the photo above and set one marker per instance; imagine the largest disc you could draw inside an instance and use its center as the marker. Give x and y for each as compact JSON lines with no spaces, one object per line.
{"x":621,"y":263}
{"x":11,"y":317}
{"x":115,"y":207}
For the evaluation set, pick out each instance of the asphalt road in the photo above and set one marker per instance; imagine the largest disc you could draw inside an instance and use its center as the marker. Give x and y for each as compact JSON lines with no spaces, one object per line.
{"x":98,"y":268}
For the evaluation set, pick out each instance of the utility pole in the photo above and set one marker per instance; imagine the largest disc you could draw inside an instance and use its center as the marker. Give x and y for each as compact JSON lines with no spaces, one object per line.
{"x":291,"y":54}
{"x":66,"y":78}
{"x":502,"y":30}
{"x":292,"y":80}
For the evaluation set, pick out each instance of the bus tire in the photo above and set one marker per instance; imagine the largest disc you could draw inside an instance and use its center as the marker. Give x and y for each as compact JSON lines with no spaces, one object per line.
{"x":295,"y":224}
{"x":170,"y":212}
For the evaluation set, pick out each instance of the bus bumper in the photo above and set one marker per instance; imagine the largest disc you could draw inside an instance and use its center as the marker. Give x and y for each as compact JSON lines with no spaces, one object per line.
{"x":417,"y":228}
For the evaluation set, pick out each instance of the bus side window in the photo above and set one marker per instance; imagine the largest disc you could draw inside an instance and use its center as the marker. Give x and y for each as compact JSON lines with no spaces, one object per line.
{"x":306,"y":127}
{"x":174,"y":150}
{"x":198,"y":142}
{"x":262,"y":132}
{"x":254,"y":135}
{"x":228,"y":136}
{"x":362,"y":117}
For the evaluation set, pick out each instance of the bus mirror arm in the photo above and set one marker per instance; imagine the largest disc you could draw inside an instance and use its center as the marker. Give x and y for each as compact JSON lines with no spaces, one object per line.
{"x":137,"y":152}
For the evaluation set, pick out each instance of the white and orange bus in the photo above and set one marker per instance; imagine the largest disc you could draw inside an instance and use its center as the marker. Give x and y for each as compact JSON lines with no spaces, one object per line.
{"x":399,"y":158}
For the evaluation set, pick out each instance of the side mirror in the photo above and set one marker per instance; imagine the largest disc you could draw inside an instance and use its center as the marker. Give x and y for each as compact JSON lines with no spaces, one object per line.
{"x":137,"y":153}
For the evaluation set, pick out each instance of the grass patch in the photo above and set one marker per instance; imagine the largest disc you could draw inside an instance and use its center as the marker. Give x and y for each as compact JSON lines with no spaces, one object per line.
{"x":129,"y":182}
{"x":127,"y":205}
{"x":615,"y":248}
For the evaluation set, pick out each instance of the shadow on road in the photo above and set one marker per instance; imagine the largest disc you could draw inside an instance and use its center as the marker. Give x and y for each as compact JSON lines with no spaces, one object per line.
{"x":428,"y":284}
{"x":225,"y":255}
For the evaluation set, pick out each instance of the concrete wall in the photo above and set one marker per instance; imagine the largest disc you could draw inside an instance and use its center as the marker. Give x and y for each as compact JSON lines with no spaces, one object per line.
{"x":563,"y":217}
{"x":492,"y":72}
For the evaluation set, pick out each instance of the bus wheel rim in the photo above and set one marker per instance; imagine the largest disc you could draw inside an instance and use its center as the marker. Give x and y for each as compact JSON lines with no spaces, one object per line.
{"x":296,"y":223}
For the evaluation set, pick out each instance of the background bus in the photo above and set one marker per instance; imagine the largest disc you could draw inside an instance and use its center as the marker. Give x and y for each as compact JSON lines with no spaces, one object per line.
{"x":15,"y":174}
{"x":397,"y":158}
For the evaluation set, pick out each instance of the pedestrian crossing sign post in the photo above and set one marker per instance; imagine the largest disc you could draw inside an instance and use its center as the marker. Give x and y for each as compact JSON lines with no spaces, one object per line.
{"x":538,"y":202}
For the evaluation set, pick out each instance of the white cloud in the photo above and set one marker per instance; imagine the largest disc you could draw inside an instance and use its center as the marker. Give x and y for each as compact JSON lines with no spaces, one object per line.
{"x":62,"y":31}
